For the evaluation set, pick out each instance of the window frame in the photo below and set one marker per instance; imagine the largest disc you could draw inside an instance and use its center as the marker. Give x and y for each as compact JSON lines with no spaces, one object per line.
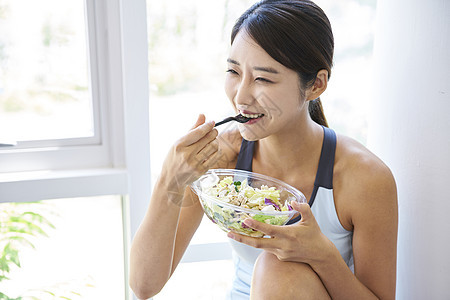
{"x":82,"y":152}
{"x":119,"y":162}
{"x":107,"y":149}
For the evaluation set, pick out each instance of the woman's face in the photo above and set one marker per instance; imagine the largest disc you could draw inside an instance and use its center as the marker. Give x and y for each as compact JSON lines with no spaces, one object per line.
{"x":260,"y":87}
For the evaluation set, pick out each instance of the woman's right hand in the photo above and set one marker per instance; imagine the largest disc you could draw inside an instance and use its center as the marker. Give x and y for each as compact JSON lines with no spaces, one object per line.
{"x":191,"y":156}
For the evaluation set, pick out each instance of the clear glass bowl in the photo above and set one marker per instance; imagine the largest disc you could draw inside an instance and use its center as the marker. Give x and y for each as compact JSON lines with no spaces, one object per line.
{"x":230,"y":217}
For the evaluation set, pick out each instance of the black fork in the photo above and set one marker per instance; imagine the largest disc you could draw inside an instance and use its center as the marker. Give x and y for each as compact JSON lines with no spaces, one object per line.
{"x":239,"y":118}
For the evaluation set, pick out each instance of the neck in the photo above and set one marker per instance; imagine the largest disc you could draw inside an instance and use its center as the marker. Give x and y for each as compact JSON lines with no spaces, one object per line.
{"x":295,"y":149}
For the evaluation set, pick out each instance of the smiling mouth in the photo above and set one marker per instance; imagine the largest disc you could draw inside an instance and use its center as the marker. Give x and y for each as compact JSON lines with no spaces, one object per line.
{"x":252,"y":116}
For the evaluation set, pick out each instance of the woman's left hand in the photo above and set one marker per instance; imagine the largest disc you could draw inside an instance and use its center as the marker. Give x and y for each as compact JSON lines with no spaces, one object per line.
{"x":299,"y":242}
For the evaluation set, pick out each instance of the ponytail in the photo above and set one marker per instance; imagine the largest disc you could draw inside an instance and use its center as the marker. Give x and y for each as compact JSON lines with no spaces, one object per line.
{"x":316,"y":112}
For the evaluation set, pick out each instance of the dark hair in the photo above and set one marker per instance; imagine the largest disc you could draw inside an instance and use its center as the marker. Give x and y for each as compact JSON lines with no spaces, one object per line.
{"x":297,"y":34}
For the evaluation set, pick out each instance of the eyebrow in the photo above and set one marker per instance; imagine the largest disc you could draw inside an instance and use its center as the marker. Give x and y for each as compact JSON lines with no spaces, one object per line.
{"x":264,"y":69}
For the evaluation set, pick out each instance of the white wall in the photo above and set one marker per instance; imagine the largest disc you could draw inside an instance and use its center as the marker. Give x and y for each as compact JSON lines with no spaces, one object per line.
{"x":410,"y":130}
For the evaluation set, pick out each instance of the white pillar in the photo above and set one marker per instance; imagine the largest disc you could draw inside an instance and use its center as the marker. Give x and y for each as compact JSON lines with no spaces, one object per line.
{"x":409,"y":129}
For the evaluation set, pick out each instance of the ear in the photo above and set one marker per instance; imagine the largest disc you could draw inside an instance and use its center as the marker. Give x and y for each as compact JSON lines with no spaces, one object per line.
{"x":319,"y":86}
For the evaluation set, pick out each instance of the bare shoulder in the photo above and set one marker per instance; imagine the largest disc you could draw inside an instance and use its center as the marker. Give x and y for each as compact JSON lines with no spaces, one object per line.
{"x":229,"y":144}
{"x":355,"y":160}
{"x":362,"y":182}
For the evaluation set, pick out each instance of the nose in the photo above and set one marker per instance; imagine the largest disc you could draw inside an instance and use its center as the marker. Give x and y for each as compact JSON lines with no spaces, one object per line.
{"x":244,"y":94}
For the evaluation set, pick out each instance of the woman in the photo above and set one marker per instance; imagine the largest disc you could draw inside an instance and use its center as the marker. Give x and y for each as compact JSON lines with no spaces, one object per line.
{"x":344,"y":247}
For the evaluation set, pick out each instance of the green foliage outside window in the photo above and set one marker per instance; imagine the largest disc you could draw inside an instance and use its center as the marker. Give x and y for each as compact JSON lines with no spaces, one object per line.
{"x":21,"y":225}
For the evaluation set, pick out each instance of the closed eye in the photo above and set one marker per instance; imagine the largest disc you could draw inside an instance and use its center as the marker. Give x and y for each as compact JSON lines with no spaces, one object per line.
{"x":231,"y":71}
{"x":263,"y":80}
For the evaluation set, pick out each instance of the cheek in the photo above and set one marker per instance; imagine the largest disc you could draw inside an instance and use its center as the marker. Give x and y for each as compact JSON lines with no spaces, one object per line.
{"x":288,"y":110}
{"x":229,"y":89}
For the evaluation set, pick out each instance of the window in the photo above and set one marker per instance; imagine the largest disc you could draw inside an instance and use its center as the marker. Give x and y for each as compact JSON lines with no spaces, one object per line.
{"x":349,"y":90}
{"x":42,"y":96}
{"x":97,"y":53}
{"x":52,"y":248}
{"x":66,"y":113}
{"x":46,"y":102}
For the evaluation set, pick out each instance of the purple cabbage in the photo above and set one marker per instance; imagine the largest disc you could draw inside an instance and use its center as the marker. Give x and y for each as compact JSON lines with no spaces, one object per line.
{"x":268,"y":201}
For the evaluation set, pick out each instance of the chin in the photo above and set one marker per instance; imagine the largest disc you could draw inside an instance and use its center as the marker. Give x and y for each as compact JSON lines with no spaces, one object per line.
{"x":251,"y":133}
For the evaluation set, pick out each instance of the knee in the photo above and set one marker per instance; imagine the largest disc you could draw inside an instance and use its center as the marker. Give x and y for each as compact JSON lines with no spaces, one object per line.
{"x":274,"y":279}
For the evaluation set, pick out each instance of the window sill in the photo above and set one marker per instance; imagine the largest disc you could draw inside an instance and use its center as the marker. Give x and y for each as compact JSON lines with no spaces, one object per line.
{"x":42,"y":185}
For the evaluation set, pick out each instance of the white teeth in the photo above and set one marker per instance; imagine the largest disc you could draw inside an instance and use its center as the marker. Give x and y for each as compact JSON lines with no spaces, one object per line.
{"x":252,"y":116}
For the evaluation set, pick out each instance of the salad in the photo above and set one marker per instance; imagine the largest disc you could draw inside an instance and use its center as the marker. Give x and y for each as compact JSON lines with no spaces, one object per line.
{"x":262,"y":204}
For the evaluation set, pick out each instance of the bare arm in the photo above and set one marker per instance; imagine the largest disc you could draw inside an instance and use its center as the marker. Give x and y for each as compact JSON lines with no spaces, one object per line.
{"x":159,"y":243}
{"x":173,"y":214}
{"x":372,"y":198}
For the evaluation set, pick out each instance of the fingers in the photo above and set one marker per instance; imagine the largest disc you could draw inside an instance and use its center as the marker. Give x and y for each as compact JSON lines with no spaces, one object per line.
{"x":205,"y":150}
{"x":266,"y":243}
{"x":195,"y":152}
{"x":209,"y":140}
{"x":262,"y":243}
{"x":197,"y":133}
{"x":212,"y":160}
{"x":304,"y":209}
{"x":200,"y":120}
{"x":270,"y":230}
